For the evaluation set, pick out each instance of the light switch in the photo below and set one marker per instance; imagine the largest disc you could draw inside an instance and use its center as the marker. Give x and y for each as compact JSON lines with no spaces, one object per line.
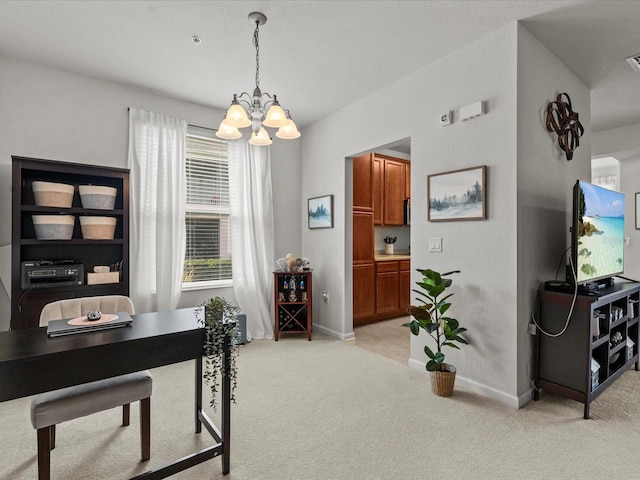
{"x":435,"y":244}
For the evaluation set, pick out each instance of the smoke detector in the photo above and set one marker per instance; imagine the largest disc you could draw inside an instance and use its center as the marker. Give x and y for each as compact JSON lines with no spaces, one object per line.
{"x":634,"y":61}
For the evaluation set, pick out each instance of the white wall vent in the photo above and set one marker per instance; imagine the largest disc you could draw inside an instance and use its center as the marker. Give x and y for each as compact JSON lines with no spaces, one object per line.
{"x":634,"y":61}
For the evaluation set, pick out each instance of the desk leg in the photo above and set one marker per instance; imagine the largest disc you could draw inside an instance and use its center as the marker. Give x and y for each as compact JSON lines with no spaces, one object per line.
{"x":198,"y":405}
{"x":226,"y":407}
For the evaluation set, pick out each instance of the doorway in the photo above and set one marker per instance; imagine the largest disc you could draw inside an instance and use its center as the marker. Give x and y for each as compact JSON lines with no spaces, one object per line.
{"x":381,"y":265}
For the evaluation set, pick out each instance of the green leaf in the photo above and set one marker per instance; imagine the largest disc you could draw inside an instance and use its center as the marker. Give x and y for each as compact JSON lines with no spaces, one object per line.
{"x":436,"y":290}
{"x":432,"y":327}
{"x":414,"y":327}
{"x":429,"y":352}
{"x":443,"y":307}
{"x":449,"y":344}
{"x":453,"y":323}
{"x":432,"y":366}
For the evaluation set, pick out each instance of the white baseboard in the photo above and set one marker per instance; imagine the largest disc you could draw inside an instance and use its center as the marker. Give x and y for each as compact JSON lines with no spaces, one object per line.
{"x":332,"y":333}
{"x":481,"y":389}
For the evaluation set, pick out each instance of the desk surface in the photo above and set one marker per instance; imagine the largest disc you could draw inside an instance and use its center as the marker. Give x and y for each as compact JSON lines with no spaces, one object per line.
{"x":30,"y":361}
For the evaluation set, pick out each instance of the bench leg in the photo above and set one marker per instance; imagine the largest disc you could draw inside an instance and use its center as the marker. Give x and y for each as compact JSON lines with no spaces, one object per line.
{"x":44,"y":453}
{"x":52,"y":428}
{"x":145,"y":428}
{"x":126,"y":414}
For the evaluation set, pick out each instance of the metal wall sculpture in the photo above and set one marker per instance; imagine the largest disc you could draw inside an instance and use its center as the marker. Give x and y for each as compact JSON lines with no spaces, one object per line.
{"x":564,"y":121}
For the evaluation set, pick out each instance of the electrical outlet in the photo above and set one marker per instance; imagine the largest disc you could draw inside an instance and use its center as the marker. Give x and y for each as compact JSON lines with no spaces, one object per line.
{"x":532,"y":329}
{"x":325,"y":296}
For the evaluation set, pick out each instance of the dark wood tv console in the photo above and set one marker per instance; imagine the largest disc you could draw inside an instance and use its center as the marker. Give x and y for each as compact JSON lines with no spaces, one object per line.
{"x":600,"y":342}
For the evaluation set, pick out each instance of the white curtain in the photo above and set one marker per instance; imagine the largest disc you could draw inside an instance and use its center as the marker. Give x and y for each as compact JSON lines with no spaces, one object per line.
{"x":252,"y":234}
{"x":158,"y":185}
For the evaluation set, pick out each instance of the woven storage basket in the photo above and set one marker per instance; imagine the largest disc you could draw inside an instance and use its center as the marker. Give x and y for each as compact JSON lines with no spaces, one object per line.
{"x":98,"y":228}
{"x":442,"y":382}
{"x":98,"y":197}
{"x":49,"y":194}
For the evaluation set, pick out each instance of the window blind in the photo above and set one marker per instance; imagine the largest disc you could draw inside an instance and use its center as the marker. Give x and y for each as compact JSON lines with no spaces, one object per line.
{"x":208,"y":249}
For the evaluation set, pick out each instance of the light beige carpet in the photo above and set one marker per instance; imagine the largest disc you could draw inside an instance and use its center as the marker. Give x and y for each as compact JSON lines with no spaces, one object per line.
{"x":325,"y":410}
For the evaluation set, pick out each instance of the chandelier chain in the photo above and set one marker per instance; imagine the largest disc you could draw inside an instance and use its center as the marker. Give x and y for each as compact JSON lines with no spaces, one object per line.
{"x":257,"y":44}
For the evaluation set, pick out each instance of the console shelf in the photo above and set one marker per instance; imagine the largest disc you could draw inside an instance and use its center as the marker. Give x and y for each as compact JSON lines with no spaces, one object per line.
{"x":598,"y":346}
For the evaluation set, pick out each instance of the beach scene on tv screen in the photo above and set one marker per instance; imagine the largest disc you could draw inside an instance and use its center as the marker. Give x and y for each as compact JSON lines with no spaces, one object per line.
{"x":600,"y":232}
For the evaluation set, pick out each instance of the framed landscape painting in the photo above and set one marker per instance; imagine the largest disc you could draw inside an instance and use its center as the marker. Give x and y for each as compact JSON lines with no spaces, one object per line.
{"x":457,"y":195}
{"x":320,"y":212}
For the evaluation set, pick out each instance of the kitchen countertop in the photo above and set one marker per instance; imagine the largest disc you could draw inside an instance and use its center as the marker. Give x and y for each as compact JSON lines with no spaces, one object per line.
{"x":380,"y":256}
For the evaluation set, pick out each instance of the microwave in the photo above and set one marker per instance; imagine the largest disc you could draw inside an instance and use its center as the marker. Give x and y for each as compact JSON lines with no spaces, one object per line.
{"x":407,"y":211}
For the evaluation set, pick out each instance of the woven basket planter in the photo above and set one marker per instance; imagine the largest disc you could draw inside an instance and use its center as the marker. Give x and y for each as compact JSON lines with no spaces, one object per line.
{"x":442,"y":382}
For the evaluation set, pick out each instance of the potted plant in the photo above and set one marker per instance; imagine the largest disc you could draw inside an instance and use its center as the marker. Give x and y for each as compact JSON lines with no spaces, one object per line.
{"x":219,"y":322}
{"x":430,"y":317}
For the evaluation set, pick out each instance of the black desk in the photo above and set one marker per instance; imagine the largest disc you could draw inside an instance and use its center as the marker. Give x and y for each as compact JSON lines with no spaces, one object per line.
{"x":32,"y":363}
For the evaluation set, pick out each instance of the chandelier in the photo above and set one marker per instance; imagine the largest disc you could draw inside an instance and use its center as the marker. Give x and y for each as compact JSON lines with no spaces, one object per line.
{"x":253,"y":112}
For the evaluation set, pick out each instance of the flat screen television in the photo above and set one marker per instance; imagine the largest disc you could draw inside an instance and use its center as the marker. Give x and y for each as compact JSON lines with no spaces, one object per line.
{"x":597,"y":234}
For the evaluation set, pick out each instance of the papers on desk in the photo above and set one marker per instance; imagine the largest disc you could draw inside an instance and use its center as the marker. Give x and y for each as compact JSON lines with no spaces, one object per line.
{"x":57,"y":328}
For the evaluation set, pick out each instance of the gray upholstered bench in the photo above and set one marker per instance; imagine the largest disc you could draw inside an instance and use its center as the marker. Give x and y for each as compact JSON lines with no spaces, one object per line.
{"x":50,"y":408}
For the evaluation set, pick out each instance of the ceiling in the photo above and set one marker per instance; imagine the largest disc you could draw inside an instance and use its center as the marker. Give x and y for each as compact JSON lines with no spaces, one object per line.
{"x":315,"y":55}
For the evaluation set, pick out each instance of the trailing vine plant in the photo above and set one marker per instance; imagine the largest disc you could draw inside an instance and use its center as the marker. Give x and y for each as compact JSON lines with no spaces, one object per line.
{"x":219,"y":321}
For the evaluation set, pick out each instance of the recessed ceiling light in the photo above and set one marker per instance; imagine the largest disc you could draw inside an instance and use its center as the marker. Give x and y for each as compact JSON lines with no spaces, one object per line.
{"x":196,"y":40}
{"x":634,"y":61}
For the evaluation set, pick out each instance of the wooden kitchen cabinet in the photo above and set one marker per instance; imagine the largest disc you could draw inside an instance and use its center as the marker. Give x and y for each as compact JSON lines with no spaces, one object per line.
{"x":381,"y":184}
{"x":404,"y":283}
{"x":364,"y":296}
{"x":381,"y":290}
{"x":378,"y":190}
{"x":363,"y":183}
{"x":394,"y":191}
{"x":407,"y":180}
{"x":392,"y":290}
{"x":362,"y":237}
{"x":387,"y":287}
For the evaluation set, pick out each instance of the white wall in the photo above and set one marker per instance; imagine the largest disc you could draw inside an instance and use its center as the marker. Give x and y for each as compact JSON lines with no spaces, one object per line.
{"x":50,"y":114}
{"x":545,"y":183}
{"x":630,"y":185}
{"x":624,"y":143}
{"x":494,"y":255}
{"x":485,"y":251}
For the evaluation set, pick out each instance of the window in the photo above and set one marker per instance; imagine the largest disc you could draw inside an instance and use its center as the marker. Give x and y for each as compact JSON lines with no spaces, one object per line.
{"x":208,"y":249}
{"x":606,"y":181}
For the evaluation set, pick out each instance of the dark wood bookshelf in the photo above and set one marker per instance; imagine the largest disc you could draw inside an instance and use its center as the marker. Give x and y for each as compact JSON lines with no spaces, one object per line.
{"x":26,"y":303}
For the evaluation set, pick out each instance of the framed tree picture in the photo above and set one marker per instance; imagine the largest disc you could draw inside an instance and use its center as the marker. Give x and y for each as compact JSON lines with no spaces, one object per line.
{"x":320,"y":211}
{"x":457,"y":195}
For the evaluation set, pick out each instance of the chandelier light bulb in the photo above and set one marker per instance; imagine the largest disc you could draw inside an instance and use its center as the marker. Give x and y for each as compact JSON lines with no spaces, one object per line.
{"x":236,"y":115}
{"x":288,"y":131}
{"x":227,"y":132}
{"x":261,"y":138}
{"x":276,"y":117}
